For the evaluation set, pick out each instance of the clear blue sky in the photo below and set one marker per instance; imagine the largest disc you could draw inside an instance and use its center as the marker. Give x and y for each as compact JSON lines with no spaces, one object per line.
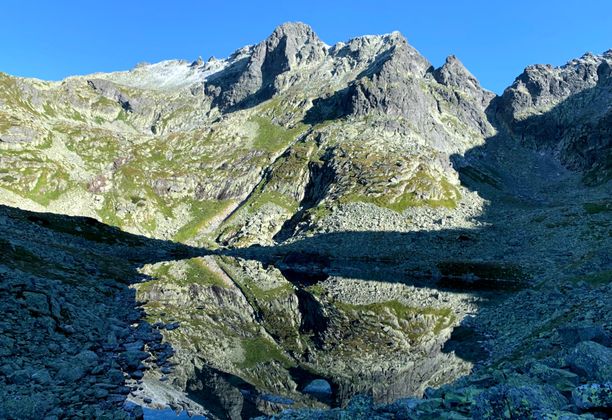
{"x":494,"y":39}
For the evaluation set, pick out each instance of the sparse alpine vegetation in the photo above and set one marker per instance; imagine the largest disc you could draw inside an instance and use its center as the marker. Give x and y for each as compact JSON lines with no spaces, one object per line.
{"x":339,"y":230}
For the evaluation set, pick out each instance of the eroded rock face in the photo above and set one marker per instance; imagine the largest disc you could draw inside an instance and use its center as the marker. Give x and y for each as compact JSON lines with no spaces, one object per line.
{"x":454,"y":74}
{"x":290,"y":46}
{"x":567,"y":110}
{"x":16,"y":135}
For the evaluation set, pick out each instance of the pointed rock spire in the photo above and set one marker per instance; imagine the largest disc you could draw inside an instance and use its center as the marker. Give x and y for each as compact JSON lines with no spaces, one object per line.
{"x":198,"y":62}
{"x":290,"y":45}
{"x":454,"y":74}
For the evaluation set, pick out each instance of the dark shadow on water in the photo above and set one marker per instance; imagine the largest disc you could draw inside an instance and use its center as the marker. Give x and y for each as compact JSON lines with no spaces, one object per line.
{"x":465,"y":343}
{"x":227,"y":396}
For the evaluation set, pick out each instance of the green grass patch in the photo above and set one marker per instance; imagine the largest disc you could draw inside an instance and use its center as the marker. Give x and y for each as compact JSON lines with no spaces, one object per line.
{"x":201,"y":213}
{"x":194,"y":271}
{"x":259,"y":199}
{"x":107,"y":212}
{"x":415,"y":328}
{"x":94,"y":146}
{"x":198,"y":272}
{"x":319,"y":212}
{"x":77,"y":117}
{"x":420,"y":182}
{"x":260,"y":350}
{"x":48,"y":110}
{"x":122,"y":116}
{"x":598,"y":207}
{"x":33,"y":177}
{"x":7,"y":121}
{"x":271,"y":137}
{"x":49,"y":187}
{"x":595,"y":279}
{"x":316,"y":289}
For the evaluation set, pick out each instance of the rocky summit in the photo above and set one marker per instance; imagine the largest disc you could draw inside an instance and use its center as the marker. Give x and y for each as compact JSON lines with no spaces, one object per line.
{"x":307,"y":231}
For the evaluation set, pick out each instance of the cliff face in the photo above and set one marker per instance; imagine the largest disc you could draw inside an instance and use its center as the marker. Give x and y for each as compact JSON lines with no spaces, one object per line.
{"x":354,"y":214}
{"x":567,"y":110}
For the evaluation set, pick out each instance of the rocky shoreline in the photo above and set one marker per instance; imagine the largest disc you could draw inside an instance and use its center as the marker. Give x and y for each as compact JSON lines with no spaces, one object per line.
{"x":73,"y":341}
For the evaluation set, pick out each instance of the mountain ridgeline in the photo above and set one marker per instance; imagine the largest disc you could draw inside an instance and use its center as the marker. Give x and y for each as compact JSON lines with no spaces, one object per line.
{"x":333,"y":229}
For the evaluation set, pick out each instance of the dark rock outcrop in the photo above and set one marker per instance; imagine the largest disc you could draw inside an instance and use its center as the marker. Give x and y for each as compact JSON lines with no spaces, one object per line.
{"x":567,"y":110}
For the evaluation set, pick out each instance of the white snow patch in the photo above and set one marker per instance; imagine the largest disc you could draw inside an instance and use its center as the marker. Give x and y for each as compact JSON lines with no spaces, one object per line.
{"x":173,"y":74}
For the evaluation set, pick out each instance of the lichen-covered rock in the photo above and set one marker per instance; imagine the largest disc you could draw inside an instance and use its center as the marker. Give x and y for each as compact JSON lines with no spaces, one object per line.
{"x":509,"y":402}
{"x":593,"y":397}
{"x":591,"y":360}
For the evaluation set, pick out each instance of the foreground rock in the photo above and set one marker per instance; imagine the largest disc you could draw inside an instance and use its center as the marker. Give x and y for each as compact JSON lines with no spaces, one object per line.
{"x":72,"y":334}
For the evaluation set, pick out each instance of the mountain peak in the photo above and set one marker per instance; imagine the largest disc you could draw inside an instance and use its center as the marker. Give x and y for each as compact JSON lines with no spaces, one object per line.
{"x":295,"y":40}
{"x":452,"y":59}
{"x":396,"y":37}
{"x":293,"y":28}
{"x":453,"y":73}
{"x":289,"y":46}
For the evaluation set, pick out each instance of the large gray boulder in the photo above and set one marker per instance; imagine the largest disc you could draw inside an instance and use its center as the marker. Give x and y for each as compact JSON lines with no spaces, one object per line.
{"x":591,"y":360}
{"x":593,"y":396}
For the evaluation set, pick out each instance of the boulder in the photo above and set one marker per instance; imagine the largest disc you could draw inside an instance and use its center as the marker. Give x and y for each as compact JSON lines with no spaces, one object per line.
{"x":593,"y":396}
{"x":573,"y":335}
{"x":37,"y":303}
{"x":503,"y":401}
{"x":591,"y":360}
{"x":563,"y":380}
{"x":71,"y":372}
